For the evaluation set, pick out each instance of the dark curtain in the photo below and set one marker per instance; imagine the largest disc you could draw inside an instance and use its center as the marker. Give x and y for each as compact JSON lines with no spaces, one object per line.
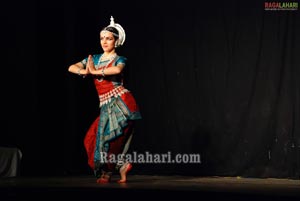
{"x":215,"y":78}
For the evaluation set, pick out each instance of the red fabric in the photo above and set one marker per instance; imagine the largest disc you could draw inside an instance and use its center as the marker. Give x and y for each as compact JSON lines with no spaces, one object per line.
{"x":130,"y":102}
{"x":115,"y":147}
{"x":104,"y":86}
{"x":90,"y":142}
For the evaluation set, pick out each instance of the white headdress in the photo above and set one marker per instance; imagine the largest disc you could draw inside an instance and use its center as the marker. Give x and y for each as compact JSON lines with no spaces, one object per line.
{"x":121,"y":36}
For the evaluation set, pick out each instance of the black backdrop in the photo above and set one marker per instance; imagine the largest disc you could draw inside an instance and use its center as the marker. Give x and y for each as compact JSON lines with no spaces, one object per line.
{"x":217,"y":78}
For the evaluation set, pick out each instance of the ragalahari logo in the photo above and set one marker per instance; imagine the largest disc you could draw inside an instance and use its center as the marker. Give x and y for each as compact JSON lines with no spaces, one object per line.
{"x":291,"y":6}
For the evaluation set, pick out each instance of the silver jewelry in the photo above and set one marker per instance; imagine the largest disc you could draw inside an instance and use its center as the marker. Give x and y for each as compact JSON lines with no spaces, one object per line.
{"x":111,"y":58}
{"x":122,"y":34}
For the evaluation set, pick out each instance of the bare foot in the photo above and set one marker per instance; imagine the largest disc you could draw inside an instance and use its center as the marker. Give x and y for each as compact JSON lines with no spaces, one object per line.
{"x":105,"y":178}
{"x":123,"y":172}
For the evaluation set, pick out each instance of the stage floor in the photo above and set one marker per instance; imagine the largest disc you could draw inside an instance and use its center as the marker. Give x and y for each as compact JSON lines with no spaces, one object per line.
{"x":140,"y":187}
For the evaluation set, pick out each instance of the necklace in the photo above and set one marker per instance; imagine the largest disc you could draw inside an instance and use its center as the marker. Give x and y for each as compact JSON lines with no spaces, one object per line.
{"x":110,"y":59}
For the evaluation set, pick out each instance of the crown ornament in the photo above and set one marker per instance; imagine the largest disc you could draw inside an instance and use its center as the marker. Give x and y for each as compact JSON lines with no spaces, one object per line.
{"x":122,"y":35}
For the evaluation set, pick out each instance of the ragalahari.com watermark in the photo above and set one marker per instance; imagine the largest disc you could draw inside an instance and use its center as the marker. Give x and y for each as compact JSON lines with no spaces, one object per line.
{"x":148,"y":157}
{"x":286,"y":5}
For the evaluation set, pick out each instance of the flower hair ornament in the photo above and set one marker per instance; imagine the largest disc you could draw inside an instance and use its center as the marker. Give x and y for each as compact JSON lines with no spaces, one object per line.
{"x":121,"y":36}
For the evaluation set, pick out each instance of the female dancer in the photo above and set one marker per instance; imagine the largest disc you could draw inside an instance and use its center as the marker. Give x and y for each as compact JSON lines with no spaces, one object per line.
{"x":108,"y":138}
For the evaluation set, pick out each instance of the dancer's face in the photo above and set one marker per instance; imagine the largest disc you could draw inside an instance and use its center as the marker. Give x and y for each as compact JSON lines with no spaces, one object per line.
{"x":107,"y":41}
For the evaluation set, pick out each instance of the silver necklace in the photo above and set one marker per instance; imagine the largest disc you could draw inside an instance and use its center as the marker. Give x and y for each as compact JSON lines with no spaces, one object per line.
{"x":111,"y":58}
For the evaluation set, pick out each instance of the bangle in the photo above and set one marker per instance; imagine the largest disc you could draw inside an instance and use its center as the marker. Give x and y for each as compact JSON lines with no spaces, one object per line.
{"x":103,"y":72}
{"x":78,"y":72}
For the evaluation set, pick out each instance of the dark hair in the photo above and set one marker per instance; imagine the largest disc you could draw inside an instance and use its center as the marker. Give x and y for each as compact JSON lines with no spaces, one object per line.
{"x":113,"y":30}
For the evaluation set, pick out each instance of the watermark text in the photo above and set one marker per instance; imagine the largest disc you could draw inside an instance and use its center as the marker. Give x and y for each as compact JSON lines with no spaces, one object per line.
{"x":148,"y":157}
